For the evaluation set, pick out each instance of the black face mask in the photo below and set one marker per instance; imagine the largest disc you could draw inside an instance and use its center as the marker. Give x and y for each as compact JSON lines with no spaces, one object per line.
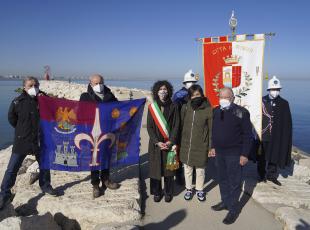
{"x":196,"y":102}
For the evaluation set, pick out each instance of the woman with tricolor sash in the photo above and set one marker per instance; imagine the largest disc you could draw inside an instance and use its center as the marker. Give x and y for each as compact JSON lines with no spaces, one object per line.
{"x":196,"y":122}
{"x":163,"y":130}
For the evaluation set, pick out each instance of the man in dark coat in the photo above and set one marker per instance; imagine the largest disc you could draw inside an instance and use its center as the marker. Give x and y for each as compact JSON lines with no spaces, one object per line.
{"x":276,"y":134}
{"x":231,"y":145}
{"x":181,"y":98}
{"x":98,"y":92}
{"x":24,"y":116}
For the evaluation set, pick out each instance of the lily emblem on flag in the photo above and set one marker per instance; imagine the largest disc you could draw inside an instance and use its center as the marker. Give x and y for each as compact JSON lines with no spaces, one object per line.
{"x":231,"y":72}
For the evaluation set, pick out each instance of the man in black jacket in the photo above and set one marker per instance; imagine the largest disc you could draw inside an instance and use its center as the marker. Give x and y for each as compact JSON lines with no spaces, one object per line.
{"x":231,"y":145}
{"x":24,"y":116}
{"x":98,"y":92}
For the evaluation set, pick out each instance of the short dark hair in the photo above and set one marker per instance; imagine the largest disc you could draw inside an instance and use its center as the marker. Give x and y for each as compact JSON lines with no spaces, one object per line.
{"x":157,"y":86}
{"x":195,"y":88}
{"x":30,"y":78}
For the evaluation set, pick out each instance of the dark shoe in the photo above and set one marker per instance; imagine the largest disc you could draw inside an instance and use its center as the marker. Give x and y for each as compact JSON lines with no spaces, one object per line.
{"x":275,"y":181}
{"x":262,"y":179}
{"x":168,"y":198}
{"x":96,"y":191}
{"x":157,"y":198}
{"x":34,"y":177}
{"x":219,"y":207}
{"x":230,"y":218}
{"x":49,"y":190}
{"x":110,"y":184}
{"x":201,"y":196}
{"x":189,"y":194}
{"x":4,"y":201}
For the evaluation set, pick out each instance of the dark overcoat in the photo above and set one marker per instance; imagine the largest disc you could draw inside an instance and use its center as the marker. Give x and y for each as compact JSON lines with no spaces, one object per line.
{"x":280,"y":145}
{"x":24,"y":116}
{"x":158,"y":158}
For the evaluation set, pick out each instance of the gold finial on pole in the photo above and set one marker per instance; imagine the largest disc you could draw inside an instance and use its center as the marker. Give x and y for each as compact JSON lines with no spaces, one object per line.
{"x":233,"y":23}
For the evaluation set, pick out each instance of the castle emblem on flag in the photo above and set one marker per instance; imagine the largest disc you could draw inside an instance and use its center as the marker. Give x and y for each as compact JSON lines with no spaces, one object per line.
{"x":231,"y":72}
{"x":65,"y":117}
{"x":65,"y":157}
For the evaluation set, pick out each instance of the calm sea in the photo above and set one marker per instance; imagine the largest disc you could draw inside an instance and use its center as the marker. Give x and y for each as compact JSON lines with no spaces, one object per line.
{"x":293,"y":90}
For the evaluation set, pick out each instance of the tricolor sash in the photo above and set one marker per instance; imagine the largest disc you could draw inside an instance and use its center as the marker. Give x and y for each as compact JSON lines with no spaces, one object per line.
{"x":160,"y":120}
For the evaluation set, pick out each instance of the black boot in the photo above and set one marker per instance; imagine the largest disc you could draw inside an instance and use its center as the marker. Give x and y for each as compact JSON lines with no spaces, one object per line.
{"x":219,"y":207}
{"x":230,"y":218}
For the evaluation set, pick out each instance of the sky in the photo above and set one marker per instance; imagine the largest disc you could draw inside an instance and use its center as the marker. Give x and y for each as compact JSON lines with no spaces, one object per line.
{"x":143,"y":38}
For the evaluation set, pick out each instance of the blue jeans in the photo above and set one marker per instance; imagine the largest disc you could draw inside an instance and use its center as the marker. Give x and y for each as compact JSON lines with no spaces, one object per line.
{"x":229,"y":173}
{"x":10,"y":175}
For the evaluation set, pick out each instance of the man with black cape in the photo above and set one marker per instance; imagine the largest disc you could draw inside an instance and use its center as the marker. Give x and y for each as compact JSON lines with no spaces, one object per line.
{"x":276,"y":134}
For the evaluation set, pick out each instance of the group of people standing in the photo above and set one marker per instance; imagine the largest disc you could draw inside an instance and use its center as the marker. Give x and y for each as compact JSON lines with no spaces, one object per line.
{"x":196,"y":132}
{"x":183,"y":123}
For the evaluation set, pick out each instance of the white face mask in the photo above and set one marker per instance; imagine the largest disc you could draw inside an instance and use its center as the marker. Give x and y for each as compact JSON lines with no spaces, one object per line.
{"x":98,"y":88}
{"x":224,"y":103}
{"x":274,"y":93}
{"x":33,"y":91}
{"x":162,"y":94}
{"x":188,"y":84}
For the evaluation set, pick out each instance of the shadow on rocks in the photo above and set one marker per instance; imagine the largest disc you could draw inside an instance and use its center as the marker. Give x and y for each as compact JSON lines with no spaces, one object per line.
{"x":65,"y":223}
{"x":61,"y":189}
{"x":171,"y":221}
{"x":303,"y":226}
{"x":30,"y":208}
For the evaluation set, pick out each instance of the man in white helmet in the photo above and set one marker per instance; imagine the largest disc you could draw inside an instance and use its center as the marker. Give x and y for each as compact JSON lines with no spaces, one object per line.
{"x":276,"y":134}
{"x":180,"y":98}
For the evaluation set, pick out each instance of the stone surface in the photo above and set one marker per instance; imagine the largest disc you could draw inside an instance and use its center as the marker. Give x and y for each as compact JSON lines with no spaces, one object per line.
{"x":11,"y":223}
{"x":291,"y":200}
{"x":294,"y":219}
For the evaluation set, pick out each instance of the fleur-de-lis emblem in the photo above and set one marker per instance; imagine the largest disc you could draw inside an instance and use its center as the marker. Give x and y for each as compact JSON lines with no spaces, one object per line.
{"x":95,"y":139}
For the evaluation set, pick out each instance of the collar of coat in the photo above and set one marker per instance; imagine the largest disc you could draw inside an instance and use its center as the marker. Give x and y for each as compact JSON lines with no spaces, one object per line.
{"x":203,"y":105}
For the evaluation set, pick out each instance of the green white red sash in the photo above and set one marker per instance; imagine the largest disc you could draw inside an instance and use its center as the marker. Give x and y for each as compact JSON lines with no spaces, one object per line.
{"x":160,"y":120}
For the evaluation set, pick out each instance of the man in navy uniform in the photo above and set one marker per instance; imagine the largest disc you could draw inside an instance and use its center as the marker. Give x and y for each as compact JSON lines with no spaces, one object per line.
{"x":231,"y":145}
{"x":276,"y":143}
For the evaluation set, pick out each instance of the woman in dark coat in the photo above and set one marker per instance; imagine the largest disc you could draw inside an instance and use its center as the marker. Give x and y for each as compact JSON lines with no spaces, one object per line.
{"x":196,"y":121}
{"x":159,"y":145}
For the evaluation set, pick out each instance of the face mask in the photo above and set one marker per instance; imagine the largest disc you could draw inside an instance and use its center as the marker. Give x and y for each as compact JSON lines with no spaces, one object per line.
{"x":33,"y":91}
{"x":188,"y":84}
{"x":224,"y":103}
{"x":196,"y":102}
{"x":98,"y":88}
{"x":274,"y":93}
{"x":162,"y":94}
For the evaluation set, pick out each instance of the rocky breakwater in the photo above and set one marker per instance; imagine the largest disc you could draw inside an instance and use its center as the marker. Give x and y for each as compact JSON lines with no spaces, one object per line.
{"x":74,"y":208}
{"x":290,"y":202}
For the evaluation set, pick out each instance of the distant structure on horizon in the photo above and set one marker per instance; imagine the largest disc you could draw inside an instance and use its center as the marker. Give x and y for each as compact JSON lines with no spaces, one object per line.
{"x":47,"y":72}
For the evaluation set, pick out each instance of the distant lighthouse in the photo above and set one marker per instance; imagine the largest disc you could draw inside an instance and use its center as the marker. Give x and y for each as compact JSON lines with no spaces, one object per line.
{"x":47,"y":73}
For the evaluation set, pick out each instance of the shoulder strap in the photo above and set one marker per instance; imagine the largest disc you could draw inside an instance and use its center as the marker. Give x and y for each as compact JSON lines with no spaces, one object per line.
{"x":160,"y":120}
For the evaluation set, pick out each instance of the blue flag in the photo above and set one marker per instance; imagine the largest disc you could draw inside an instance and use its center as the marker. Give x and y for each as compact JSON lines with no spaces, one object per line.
{"x":85,"y":136}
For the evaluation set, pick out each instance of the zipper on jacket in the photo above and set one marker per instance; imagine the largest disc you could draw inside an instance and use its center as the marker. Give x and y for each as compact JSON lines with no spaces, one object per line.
{"x":190,"y":140}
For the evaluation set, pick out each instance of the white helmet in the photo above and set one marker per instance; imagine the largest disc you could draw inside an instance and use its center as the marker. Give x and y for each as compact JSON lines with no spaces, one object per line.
{"x":274,"y":83}
{"x":190,"y":76}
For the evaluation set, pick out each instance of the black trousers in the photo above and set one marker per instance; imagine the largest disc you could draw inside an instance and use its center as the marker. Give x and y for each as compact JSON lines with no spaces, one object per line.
{"x":272,"y":169}
{"x":10,"y":175}
{"x":97,"y":175}
{"x":156,"y":186}
{"x":229,"y":173}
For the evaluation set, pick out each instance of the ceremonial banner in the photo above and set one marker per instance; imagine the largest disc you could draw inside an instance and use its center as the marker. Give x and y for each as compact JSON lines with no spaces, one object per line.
{"x":237,"y":64}
{"x":84,"y":136}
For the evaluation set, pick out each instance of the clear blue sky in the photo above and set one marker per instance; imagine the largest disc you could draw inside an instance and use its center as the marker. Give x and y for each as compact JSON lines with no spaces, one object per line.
{"x":143,"y":39}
